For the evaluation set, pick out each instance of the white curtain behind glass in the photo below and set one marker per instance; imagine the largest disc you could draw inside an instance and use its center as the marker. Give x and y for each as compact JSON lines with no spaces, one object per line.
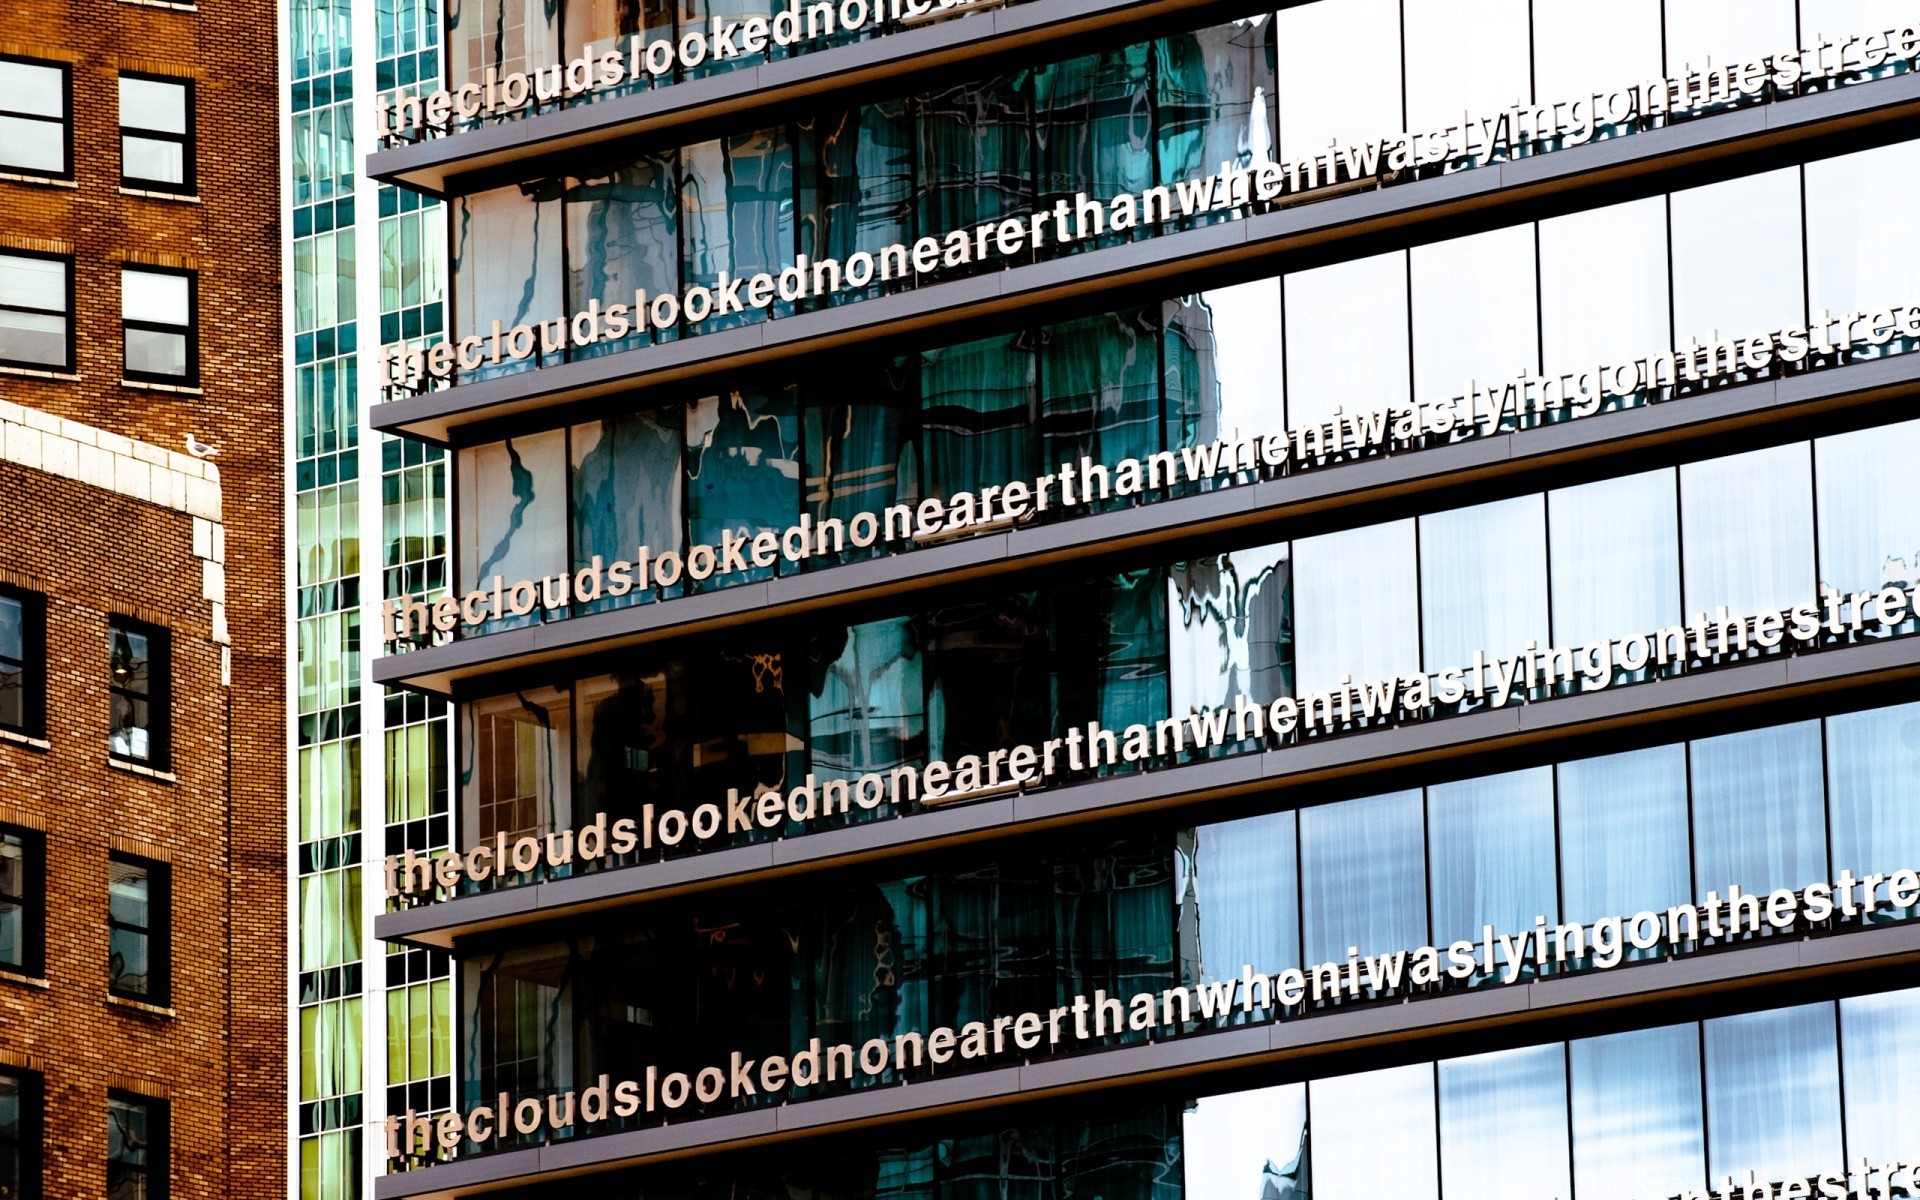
{"x":1503,"y":1125}
{"x":1880,"y":1036}
{"x":1869,"y":506}
{"x":1355,"y":606}
{"x":1748,"y":531}
{"x":1246,"y":890}
{"x":1483,"y":581}
{"x":1492,"y":853}
{"x":1373,"y":1135}
{"x":1246,"y":1145}
{"x":1759,"y":811}
{"x":1773,"y":1094}
{"x":1615,"y":546}
{"x":1637,"y":1113}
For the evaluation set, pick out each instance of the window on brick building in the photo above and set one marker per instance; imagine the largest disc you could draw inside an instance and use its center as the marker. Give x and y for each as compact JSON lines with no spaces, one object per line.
{"x":19,"y":1134}
{"x":23,"y":661}
{"x":35,"y":137}
{"x":137,"y":918}
{"x":136,"y":1147}
{"x":156,"y":133}
{"x":36,"y":310}
{"x":139,"y":687}
{"x":157,"y":314}
{"x":22,"y":904}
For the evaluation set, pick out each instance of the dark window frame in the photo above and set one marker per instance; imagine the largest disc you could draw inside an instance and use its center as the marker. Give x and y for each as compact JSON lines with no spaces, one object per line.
{"x":33,"y":666}
{"x":157,"y":931}
{"x":67,"y":361}
{"x":188,"y":141}
{"x":159,"y":690}
{"x":29,"y":1142}
{"x":32,"y":900}
{"x":65,"y":121}
{"x":159,"y":1138}
{"x":191,"y":377}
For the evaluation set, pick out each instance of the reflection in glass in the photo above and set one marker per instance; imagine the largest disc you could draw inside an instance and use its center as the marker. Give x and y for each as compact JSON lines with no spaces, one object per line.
{"x":1880,"y":1071}
{"x":623,"y":237}
{"x":1463,"y":56}
{"x":1492,"y":857}
{"x":1503,"y":1125}
{"x":1773,"y":1094}
{"x":517,"y":778}
{"x":1837,"y":18}
{"x":1749,"y":531}
{"x":512,"y":519}
{"x":627,"y":490}
{"x":1246,"y":896}
{"x":1873,"y":775}
{"x":1719,"y":283}
{"x":1869,"y":507}
{"x":1356,"y":606}
{"x":1758,"y":810}
{"x":743,"y":470}
{"x":1603,"y":273}
{"x":1623,"y":833}
{"x":1239,"y":362}
{"x":506,"y":260}
{"x":1616,"y":557}
{"x":1483,"y":581}
{"x":1346,"y":335}
{"x":1379,"y":839}
{"x":1637,"y":1116}
{"x":1339,"y":74}
{"x":1373,"y":1135}
{"x":868,"y":702}
{"x":1474,"y":312}
{"x":1231,"y":629}
{"x":1249,"y":1145}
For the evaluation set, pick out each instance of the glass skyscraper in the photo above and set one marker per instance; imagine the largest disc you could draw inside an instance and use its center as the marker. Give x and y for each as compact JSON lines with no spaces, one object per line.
{"x":1069,"y":598}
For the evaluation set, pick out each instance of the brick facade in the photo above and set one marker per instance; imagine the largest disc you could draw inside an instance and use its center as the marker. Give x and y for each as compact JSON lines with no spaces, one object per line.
{"x":139,"y":540}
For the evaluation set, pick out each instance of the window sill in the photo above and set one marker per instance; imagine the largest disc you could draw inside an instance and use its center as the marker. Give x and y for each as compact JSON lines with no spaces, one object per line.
{"x":36,"y":373}
{"x":176,"y":7}
{"x":45,"y":180}
{"x":136,"y":385}
{"x":19,"y":980}
{"x":175,"y":197}
{"x":140,"y":1006}
{"x":134,"y":768}
{"x":21,"y":739}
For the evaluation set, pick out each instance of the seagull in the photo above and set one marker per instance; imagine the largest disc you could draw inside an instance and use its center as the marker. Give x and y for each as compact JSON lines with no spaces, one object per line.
{"x":200,"y":449}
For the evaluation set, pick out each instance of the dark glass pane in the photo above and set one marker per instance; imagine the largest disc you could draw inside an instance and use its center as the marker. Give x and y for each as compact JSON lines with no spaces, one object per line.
{"x":976,"y":161}
{"x":1100,"y":392}
{"x":977,"y":415}
{"x":628,"y":490}
{"x":868,"y":701}
{"x":743,"y":472}
{"x":622,"y":238}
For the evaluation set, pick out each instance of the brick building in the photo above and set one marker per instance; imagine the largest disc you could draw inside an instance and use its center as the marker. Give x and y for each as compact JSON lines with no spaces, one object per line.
{"x":142,"y":631}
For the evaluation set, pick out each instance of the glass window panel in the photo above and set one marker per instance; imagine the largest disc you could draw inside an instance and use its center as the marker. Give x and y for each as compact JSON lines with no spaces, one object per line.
{"x":1869,"y":507}
{"x":1247,"y":899}
{"x":505,"y":35}
{"x":1231,"y":631}
{"x":868,"y":705}
{"x":1247,"y":1145}
{"x":33,"y":338}
{"x":39,"y":283}
{"x":1838,"y":18}
{"x":1637,"y":1117}
{"x":1880,"y":1070}
{"x":1235,"y":379}
{"x":506,"y":261}
{"x":512,"y":517}
{"x":1725,"y":32}
{"x":743,"y":469}
{"x":33,"y":88}
{"x":1581,"y":48}
{"x":152,"y":296}
{"x":1346,"y":336}
{"x":1215,"y":93}
{"x":1758,"y":811}
{"x":1329,"y":90}
{"x":517,"y":777}
{"x":1508,"y":1108}
{"x":1749,"y":531}
{"x":1462,"y":56}
{"x":622,"y":233}
{"x":1356,"y":605}
{"x":1616,"y":557}
{"x":1374,"y":1135}
{"x":1492,"y":859}
{"x":1604,"y":295}
{"x":1483,"y":581}
{"x":33,"y":145}
{"x":1873,"y":775}
{"x":1773,"y":1092}
{"x":1863,"y":250}
{"x":1729,"y":273}
{"x":160,"y":162}
{"x":627,"y":487}
{"x":153,"y":104}
{"x":1380,"y":839}
{"x":151,"y":353}
{"x":1475,"y":317}
{"x":1623,"y":833}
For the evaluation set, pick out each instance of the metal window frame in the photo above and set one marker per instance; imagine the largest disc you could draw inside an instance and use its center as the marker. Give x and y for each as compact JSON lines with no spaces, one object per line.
{"x":191,"y":330}
{"x":65,"y":120}
{"x":159,"y":693}
{"x":66,"y":314}
{"x":188,"y":141}
{"x":157,"y":930}
{"x":32,"y":899}
{"x":33,"y":620}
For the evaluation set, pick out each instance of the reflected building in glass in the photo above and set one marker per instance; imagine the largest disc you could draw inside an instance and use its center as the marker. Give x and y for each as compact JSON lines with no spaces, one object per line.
{"x":1390,"y":672}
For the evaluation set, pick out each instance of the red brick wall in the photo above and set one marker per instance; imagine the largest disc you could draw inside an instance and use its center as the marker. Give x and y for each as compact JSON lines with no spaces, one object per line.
{"x":221,"y":1058}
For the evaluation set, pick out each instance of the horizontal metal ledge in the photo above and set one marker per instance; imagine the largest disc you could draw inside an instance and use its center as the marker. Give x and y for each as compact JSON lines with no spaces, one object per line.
{"x":751,"y":96}
{"x":1348,"y":760}
{"x":1350,"y":490}
{"x":449,"y":416}
{"x":1313,"y":1047}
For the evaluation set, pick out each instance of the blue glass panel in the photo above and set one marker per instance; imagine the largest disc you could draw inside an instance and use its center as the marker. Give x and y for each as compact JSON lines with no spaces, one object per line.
{"x":1773,"y":1094}
{"x":1637,"y":1113}
{"x":1379,"y":839}
{"x":1623,"y":833}
{"x":1492,"y":859}
{"x":1246,"y":899}
{"x":1374,"y":1135}
{"x":1503,"y":1125}
{"x":1759,"y":817}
